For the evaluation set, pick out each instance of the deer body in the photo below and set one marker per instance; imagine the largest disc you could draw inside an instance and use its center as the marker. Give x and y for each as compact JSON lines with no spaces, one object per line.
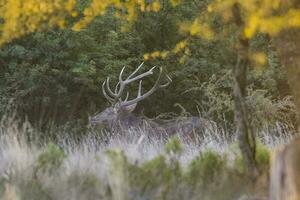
{"x":119,"y":116}
{"x":111,"y":119}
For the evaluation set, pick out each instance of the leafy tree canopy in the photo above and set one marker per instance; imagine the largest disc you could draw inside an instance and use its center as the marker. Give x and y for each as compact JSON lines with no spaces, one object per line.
{"x":22,"y":17}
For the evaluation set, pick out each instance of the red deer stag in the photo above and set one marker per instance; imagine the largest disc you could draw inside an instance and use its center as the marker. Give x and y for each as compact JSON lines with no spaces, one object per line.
{"x":119,"y":115}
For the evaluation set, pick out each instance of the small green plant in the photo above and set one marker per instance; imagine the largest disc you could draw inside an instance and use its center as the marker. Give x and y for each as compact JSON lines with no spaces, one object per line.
{"x":151,"y":174}
{"x":262,"y":156}
{"x":238,"y":162}
{"x":173,"y":146}
{"x":51,"y":159}
{"x":208,"y":167}
{"x":118,"y":171}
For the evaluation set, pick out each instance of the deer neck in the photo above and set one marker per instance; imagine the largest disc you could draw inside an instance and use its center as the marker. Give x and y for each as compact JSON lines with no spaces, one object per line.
{"x":128,"y":120}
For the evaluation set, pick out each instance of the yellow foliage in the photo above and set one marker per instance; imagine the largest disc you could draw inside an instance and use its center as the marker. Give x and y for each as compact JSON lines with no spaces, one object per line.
{"x":266,"y":16}
{"x":259,"y":58}
{"x":252,"y":26}
{"x":175,"y":2}
{"x":180,"y":46}
{"x":99,"y":8}
{"x":197,"y":28}
{"x":146,"y":56}
{"x":155,"y":6}
{"x":156,"y":55}
{"x":182,"y":59}
{"x":273,"y":25}
{"x":23,"y":17}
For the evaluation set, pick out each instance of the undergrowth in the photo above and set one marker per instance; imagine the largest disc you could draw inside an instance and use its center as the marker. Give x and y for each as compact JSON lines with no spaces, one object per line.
{"x":129,"y":167}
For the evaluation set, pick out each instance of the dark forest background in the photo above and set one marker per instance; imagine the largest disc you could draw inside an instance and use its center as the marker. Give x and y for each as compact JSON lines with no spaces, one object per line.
{"x":56,"y":76}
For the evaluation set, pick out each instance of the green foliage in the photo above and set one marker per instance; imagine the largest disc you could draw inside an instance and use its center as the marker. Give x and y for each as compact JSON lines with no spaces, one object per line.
{"x":209,"y":176}
{"x":238,"y":163}
{"x":51,"y":159}
{"x":158,"y":168}
{"x":118,"y":172}
{"x":32,"y":189}
{"x":87,"y":185}
{"x":215,"y":100}
{"x":208,"y":167}
{"x":55,"y":77}
{"x":262,"y":156}
{"x":173,"y":146}
{"x":267,"y":111}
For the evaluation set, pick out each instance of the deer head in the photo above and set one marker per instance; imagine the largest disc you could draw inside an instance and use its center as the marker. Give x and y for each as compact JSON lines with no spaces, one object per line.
{"x":120,"y":110}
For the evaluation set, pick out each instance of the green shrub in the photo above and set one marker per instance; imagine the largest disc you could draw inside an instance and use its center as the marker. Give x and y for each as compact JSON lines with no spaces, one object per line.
{"x":33,"y":189}
{"x":51,"y":159}
{"x":262,"y":156}
{"x":211,"y":177}
{"x":173,"y":146}
{"x":118,"y":174}
{"x":156,"y":178}
{"x":88,"y":186}
{"x":206,"y":168}
{"x":238,"y":162}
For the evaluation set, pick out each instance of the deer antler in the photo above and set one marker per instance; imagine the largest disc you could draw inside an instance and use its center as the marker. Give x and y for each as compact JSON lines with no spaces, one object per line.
{"x":115,"y":96}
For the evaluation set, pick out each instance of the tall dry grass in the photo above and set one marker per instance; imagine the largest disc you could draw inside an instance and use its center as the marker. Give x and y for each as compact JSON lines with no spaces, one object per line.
{"x":100,"y":165}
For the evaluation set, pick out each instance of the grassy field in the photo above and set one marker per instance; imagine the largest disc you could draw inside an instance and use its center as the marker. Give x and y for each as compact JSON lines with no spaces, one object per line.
{"x":130,"y":166}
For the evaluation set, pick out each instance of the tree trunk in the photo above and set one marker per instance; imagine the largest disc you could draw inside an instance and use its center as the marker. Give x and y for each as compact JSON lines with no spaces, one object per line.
{"x":285,"y":173}
{"x":245,"y":135}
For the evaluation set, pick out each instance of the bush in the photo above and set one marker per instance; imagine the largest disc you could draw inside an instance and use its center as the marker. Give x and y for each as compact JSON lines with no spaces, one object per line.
{"x":111,"y":175}
{"x":51,"y":159}
{"x":262,"y":156}
{"x":206,"y":168}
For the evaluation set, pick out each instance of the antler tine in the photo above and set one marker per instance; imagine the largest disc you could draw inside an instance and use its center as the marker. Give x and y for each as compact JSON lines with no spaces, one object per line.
{"x":128,"y":80}
{"x":117,"y":93}
{"x":117,"y":86}
{"x":151,"y":91}
{"x":140,"y":89}
{"x":115,"y":96}
{"x":127,"y":95}
{"x":138,"y":77}
{"x":139,"y":92}
{"x":121,"y":73}
{"x":111,"y":100}
{"x":108,"y":88}
{"x":135,"y":71}
{"x":169,"y":80}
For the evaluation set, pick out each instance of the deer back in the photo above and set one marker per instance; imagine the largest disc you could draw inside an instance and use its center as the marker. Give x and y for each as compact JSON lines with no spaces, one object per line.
{"x":185,"y":127}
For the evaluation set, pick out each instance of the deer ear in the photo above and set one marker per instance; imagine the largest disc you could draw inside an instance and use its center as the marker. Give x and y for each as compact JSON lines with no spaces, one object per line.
{"x":130,"y":108}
